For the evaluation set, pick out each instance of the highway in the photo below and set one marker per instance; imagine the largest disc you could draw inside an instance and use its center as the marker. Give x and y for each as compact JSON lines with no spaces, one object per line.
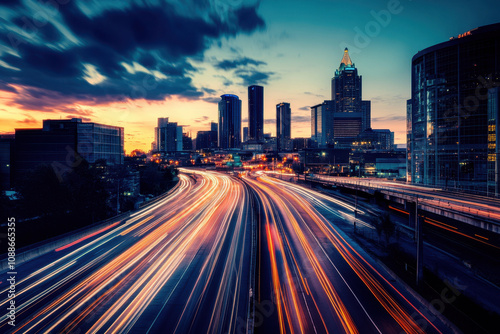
{"x":217,"y":255}
{"x":181,"y":265}
{"x":318,"y":281}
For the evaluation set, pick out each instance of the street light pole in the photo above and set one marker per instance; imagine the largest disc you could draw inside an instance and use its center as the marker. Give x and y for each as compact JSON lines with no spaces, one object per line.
{"x":118,"y":197}
{"x":420,"y":244}
{"x":356,"y":210}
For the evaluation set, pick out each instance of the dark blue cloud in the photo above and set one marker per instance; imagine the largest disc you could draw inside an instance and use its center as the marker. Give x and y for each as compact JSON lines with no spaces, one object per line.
{"x":176,"y":70}
{"x":239,"y":62}
{"x":248,"y":19}
{"x":6,"y":87}
{"x":251,"y":76}
{"x":160,"y":38}
{"x":46,"y":31}
{"x":150,"y":28}
{"x":147,"y":60}
{"x":10,"y":3}
{"x":47,"y":60}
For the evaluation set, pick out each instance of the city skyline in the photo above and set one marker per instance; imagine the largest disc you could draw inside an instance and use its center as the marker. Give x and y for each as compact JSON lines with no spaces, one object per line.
{"x":250,"y":166}
{"x":133,"y":88}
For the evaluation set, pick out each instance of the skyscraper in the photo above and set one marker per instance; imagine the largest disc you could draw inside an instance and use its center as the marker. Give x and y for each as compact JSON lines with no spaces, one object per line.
{"x":187,"y":142}
{"x":340,"y":120}
{"x":493,"y":141}
{"x":448,"y":111}
{"x":346,"y":86}
{"x":352,"y":114}
{"x":229,"y":121}
{"x":322,"y":123}
{"x":168,"y":136}
{"x":283,"y":126}
{"x":245,"y":133}
{"x":256,"y":113}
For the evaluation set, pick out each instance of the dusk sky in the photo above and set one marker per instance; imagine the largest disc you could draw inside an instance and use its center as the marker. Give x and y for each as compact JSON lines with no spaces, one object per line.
{"x":126,"y":63}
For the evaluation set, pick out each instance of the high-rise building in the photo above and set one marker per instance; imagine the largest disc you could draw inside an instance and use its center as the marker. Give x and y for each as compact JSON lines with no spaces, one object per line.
{"x":256,"y":113}
{"x":206,"y":140}
{"x":352,"y":114}
{"x":245,"y":133}
{"x":187,"y":142}
{"x":322,"y":123}
{"x":493,"y":142}
{"x":448,"y":112}
{"x":346,"y":86}
{"x":283,"y":126}
{"x":375,"y":139}
{"x":341,"y":119}
{"x":62,"y":144}
{"x":409,"y":141}
{"x":168,"y":136}
{"x":229,"y":121}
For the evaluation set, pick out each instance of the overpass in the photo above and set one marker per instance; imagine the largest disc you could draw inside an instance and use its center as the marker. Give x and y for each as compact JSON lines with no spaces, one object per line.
{"x":479,"y":211}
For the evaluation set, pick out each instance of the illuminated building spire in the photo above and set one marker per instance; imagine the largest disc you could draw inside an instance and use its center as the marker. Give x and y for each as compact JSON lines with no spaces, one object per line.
{"x":346,"y":60}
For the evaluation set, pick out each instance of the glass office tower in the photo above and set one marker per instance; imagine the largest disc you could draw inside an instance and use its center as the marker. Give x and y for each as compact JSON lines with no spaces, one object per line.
{"x":283,"y":126}
{"x":168,"y":136}
{"x":493,"y":142}
{"x":256,"y":113}
{"x":229,"y":121}
{"x":352,"y":114}
{"x":448,"y":110}
{"x":340,"y":120}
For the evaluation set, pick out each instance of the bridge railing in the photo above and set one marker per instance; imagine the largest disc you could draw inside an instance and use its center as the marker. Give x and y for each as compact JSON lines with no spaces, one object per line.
{"x":490,"y":212}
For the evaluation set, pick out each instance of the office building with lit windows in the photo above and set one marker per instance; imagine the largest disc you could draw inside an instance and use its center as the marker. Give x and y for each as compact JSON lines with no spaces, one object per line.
{"x":493,"y":142}
{"x":322,"y":123}
{"x":340,"y":120}
{"x":206,"y":140}
{"x":229,"y":122}
{"x":448,"y":119}
{"x":352,"y":114}
{"x":256,"y":113}
{"x":62,"y":144}
{"x":168,"y":136}
{"x":283,"y":127}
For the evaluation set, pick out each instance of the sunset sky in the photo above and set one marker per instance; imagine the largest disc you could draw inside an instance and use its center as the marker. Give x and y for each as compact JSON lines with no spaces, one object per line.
{"x":126,"y":63}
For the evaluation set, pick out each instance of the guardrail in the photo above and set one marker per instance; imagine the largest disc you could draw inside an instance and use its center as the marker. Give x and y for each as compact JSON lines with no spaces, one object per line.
{"x":43,"y":247}
{"x":33,"y":251}
{"x":428,"y":199}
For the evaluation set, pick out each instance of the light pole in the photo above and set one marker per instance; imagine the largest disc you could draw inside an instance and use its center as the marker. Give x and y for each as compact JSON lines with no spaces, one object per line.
{"x":355,"y":209}
{"x":118,"y":197}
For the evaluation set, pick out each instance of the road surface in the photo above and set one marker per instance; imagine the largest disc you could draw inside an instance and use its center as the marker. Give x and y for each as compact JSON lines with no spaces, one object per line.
{"x":317,"y":280}
{"x":218,"y":255}
{"x":181,"y":265}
